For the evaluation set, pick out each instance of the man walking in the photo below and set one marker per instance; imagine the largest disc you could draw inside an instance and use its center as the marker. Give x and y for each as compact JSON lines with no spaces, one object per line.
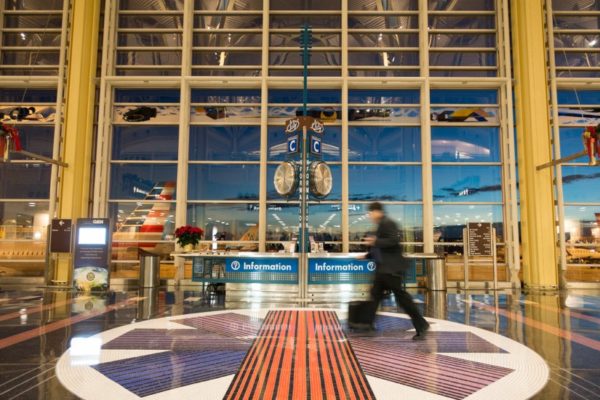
{"x":385,"y":250}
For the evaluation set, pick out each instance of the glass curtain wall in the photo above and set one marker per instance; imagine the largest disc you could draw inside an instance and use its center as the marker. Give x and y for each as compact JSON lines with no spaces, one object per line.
{"x":575,"y":86}
{"x":411,"y":93}
{"x":32,"y":48}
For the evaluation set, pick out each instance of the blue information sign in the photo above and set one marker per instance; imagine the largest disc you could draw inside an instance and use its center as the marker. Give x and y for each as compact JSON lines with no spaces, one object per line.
{"x":281,"y":265}
{"x":338,"y":265}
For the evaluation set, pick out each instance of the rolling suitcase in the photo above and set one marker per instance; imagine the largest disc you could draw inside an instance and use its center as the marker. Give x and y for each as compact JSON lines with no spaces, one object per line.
{"x":361,"y":314}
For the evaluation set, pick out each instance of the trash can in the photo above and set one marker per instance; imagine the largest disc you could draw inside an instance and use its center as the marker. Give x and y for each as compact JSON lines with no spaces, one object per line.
{"x":435,"y":269}
{"x":149,"y":269}
{"x":436,"y":273}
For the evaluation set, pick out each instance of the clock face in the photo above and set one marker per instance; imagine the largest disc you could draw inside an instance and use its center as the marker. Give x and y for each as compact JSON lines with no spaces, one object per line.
{"x":286,"y":179}
{"x":321,"y":180}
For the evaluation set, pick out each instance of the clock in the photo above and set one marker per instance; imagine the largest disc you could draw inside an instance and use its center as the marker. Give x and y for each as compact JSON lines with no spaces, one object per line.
{"x":321,"y":180}
{"x":286,"y":179}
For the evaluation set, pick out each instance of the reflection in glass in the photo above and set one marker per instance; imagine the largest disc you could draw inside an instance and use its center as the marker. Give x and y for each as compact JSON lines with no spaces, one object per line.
{"x":37,"y":57}
{"x":465,"y":144}
{"x":23,"y":221}
{"x":228,"y":57}
{"x":365,"y":40}
{"x":144,"y":142}
{"x":228,"y":39}
{"x":36,"y":139}
{"x":383,"y":21}
{"x":27,"y":39}
{"x":295,"y":58}
{"x":144,"y":5}
{"x":147,"y":96}
{"x":296,"y":21}
{"x":305,"y":5}
{"x":24,"y":181}
{"x":284,"y":39}
{"x":324,"y":222}
{"x":222,"y":143}
{"x":33,"y":21}
{"x":465,"y":58}
{"x":138,"y":181}
{"x":282,"y":221}
{"x":149,"y":21}
{"x":374,"y":97}
{"x":476,"y":96}
{"x":462,"y":22}
{"x":225,"y":221}
{"x":441,"y":40}
{"x":582,"y":225}
{"x":149,"y":39}
{"x":218,"y":21}
{"x":408,"y":217}
{"x":461,"y":5}
{"x":214,"y":96}
{"x":449,"y":220}
{"x":380,"y":143}
{"x":571,"y":143}
{"x":385,"y":183}
{"x":314,"y":96}
{"x":579,"y":184}
{"x":148,"y":58}
{"x":467,"y":183}
{"x":223,"y":182}
{"x":390,"y":5}
{"x":384,"y":58}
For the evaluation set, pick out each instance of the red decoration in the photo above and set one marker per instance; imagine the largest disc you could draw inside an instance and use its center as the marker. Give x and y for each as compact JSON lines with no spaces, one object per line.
{"x":9,"y":133}
{"x":591,"y":142}
{"x":188,"y":235}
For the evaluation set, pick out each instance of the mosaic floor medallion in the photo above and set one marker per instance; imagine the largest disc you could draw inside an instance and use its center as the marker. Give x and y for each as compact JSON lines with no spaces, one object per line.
{"x":297,"y":354}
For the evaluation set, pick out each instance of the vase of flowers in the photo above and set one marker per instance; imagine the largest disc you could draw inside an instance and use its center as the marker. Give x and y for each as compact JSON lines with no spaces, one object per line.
{"x":188,"y":236}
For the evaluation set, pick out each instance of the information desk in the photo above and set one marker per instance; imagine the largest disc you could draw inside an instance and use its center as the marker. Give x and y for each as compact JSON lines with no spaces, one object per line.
{"x":277,"y":275}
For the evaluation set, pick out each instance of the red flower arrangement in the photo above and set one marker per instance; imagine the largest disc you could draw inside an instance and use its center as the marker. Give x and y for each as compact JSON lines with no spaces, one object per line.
{"x":188,"y":235}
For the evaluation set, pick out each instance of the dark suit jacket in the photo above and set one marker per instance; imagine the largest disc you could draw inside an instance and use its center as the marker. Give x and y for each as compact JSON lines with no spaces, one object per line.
{"x":387,"y":251}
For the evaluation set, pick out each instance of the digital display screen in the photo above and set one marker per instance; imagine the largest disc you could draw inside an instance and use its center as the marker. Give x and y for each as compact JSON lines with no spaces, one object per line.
{"x":92,"y":235}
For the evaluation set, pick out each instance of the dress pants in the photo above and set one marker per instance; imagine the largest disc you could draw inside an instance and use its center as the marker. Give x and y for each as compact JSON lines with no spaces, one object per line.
{"x":394,"y":283}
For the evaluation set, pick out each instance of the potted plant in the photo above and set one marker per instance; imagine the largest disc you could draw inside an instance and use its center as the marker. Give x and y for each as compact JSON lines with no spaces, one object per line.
{"x":188,"y":236}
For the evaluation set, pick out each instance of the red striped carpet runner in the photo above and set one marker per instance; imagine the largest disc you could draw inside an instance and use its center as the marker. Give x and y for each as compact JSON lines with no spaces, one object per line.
{"x":300,"y":355}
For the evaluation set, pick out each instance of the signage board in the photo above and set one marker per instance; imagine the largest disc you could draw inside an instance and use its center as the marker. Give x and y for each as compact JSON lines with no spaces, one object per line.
{"x":315,"y":145}
{"x":60,"y":236}
{"x":292,"y":144}
{"x":91,"y":263}
{"x":267,"y":264}
{"x":340,"y":265}
{"x":480,"y":239}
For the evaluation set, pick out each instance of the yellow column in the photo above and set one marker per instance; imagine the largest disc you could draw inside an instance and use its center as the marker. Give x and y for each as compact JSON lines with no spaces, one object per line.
{"x":538,"y":228}
{"x":73,"y":192}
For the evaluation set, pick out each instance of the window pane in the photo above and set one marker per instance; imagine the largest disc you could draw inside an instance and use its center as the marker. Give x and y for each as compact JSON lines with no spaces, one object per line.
{"x":236,"y":143}
{"x":374,"y":97}
{"x":383,"y":22}
{"x":228,"y":39}
{"x":36,"y":57}
{"x":26,"y":39}
{"x":295,"y":58}
{"x":449,"y":220}
{"x":24,"y":221}
{"x":226,"y":96}
{"x":282,"y":221}
{"x":467,"y":183}
{"x":582,"y":225}
{"x":27,"y":5}
{"x":281,"y":39}
{"x":325,"y":222}
{"x":215,"y":21}
{"x":385,"y":183}
{"x":481,"y":96}
{"x":465,"y":58}
{"x":33,"y":21}
{"x":441,"y":40}
{"x":137,"y":181}
{"x":465,"y":144}
{"x":296,"y":21}
{"x":147,"y":96}
{"x":148,"y":39}
{"x":24,"y":181}
{"x":305,"y":5}
{"x":146,"y":5}
{"x":462,"y":22}
{"x":461,"y":5}
{"x":576,"y":184}
{"x":151,"y":21}
{"x":579,"y":96}
{"x":383,"y":58}
{"x":330,"y":148}
{"x":143,"y":221}
{"x":223,"y":182}
{"x":36,"y":139}
{"x":222,"y":58}
{"x":383,"y":39}
{"x":225,"y":114}
{"x":379,"y":143}
{"x":295,"y":96}
{"x":148,"y":58}
{"x":225,"y":221}
{"x":390,"y":5}
{"x":409,"y":218}
{"x":571,"y":143}
{"x":145,"y":142}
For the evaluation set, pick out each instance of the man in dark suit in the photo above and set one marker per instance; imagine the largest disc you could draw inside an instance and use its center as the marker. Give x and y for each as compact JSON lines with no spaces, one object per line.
{"x":385,"y":250}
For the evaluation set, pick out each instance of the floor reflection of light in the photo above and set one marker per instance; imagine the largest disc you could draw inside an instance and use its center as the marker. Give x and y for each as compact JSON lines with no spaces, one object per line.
{"x":574,"y":301}
{"x":85,"y":351}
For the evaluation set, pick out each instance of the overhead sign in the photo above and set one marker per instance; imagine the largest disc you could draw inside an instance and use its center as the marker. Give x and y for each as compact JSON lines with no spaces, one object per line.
{"x":315,"y":145}
{"x":480,"y":239}
{"x":60,"y":236}
{"x":292,"y":144}
{"x":340,"y":265}
{"x":277,"y":265}
{"x":92,"y":248}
